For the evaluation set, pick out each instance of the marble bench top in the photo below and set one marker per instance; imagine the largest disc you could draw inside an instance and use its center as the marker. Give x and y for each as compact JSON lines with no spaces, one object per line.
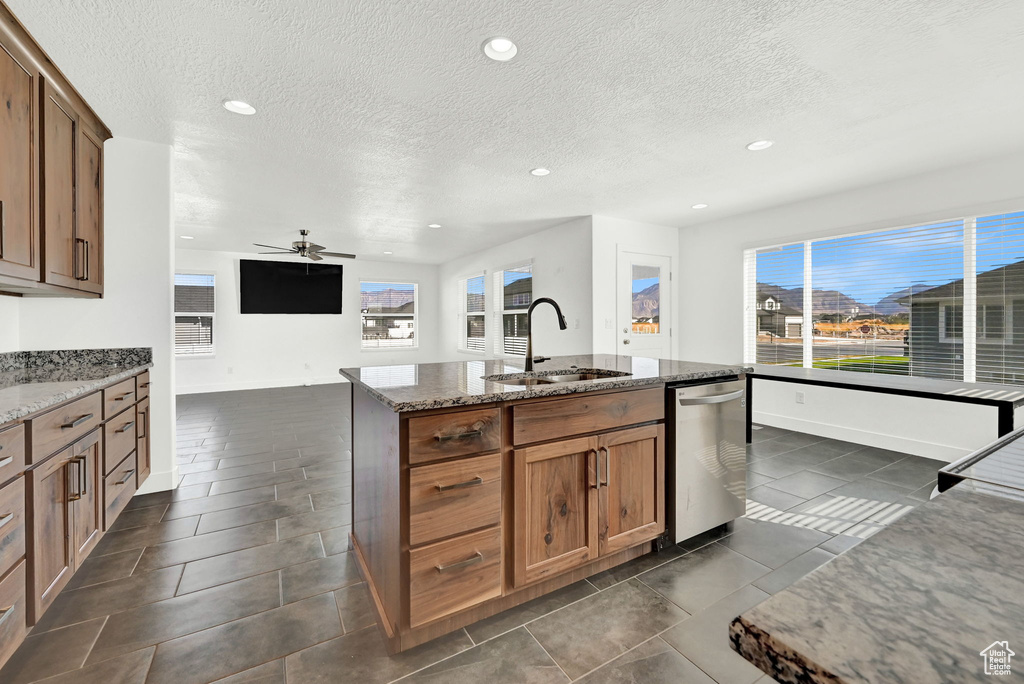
{"x":917,"y":602}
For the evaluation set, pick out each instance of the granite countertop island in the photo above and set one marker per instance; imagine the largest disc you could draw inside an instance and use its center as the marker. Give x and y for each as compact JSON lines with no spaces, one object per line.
{"x":34,"y":381}
{"x":917,"y":602}
{"x":416,"y":387}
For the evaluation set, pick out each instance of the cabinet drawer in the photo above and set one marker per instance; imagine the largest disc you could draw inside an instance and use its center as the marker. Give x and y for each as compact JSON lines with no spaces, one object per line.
{"x":579,"y":415}
{"x":118,"y":439}
{"x":117,"y":398}
{"x":452,"y":575}
{"x":118,"y":488}
{"x":12,"y":525}
{"x":143,"y":385}
{"x":12,"y":452}
{"x":58,"y":428}
{"x":459,"y":433}
{"x":453,"y":497}
{"x":13,"y":624}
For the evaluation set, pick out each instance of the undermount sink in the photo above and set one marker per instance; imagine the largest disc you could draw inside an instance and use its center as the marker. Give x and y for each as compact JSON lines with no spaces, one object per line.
{"x":553,"y":377}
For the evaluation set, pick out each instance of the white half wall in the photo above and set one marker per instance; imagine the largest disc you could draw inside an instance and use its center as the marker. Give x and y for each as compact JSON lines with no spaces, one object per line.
{"x":610,"y":235}
{"x":561,"y":270}
{"x":711,"y":287}
{"x":10,"y":308}
{"x":136,"y":308}
{"x":282,"y":350}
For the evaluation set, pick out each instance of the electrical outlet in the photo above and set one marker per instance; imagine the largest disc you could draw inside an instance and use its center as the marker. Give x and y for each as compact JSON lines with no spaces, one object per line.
{"x":799,"y":397}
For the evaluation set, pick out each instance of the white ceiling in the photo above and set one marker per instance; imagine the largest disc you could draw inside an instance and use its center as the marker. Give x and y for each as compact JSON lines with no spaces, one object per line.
{"x":377,"y":117}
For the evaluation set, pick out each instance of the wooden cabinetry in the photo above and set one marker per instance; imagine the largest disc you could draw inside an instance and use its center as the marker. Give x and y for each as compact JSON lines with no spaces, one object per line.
{"x":142,"y":450}
{"x":631,"y":497}
{"x":51,"y":176}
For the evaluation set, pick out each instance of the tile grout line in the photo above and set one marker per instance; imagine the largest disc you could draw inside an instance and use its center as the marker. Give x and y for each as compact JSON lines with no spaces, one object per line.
{"x":537,"y":641}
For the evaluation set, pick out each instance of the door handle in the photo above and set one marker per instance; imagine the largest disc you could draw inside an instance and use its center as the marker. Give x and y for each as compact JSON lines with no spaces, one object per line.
{"x":713,"y":399}
{"x":607,"y":466}
{"x":83,"y":475}
{"x":3,"y":226}
{"x":127,"y":476}
{"x":143,"y":430}
{"x":597,"y":454}
{"x":625,"y":341}
{"x":79,"y":259}
{"x":459,"y":435}
{"x":126,"y":427}
{"x":78,"y":421}
{"x":475,"y":482}
{"x":6,"y":613}
{"x":76,"y":494}
{"x":4,"y":519}
{"x":475,"y":558}
{"x":88,"y":269}
{"x":124,"y":396}
{"x":6,"y":461}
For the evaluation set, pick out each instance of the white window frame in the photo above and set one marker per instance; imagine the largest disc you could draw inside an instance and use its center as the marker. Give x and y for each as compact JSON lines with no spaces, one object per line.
{"x":500,"y":311}
{"x":1007,"y":337}
{"x":212,"y":314}
{"x":464,"y":314}
{"x":415,"y":315}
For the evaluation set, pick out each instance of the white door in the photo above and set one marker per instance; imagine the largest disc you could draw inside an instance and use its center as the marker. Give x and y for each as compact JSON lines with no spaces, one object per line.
{"x":644,"y":305}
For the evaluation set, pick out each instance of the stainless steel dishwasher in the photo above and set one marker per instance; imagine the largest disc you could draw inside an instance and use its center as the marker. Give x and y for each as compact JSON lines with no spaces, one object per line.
{"x":707,"y":459}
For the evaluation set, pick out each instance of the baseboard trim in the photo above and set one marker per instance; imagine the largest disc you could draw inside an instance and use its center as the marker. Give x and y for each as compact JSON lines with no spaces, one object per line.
{"x":258,"y":384}
{"x":159,"y":482}
{"x":865,"y":437}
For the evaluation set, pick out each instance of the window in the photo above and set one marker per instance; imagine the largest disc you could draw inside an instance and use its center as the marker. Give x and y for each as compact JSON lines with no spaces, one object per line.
{"x":513,"y":293}
{"x":388,"y":315}
{"x":940,"y":300}
{"x":473,"y":319}
{"x":193,"y":314}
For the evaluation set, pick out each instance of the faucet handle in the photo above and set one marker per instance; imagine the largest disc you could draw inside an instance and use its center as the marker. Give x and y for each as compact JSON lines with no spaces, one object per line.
{"x":541,"y":359}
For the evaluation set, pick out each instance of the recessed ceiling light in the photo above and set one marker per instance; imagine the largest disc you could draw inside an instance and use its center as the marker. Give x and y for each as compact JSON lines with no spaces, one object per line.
{"x":540,"y":172}
{"x":239,"y":107}
{"x":186,"y":237}
{"x":760,"y":145}
{"x":433,"y":225}
{"x":500,"y":49}
{"x":389,"y":252}
{"x":699,"y":206}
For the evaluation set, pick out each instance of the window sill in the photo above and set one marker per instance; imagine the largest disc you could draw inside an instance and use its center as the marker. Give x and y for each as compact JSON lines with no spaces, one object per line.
{"x":195,"y":356}
{"x":388,"y":349}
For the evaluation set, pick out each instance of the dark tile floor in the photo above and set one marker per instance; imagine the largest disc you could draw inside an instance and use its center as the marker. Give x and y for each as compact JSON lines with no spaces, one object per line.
{"x":243,"y":574}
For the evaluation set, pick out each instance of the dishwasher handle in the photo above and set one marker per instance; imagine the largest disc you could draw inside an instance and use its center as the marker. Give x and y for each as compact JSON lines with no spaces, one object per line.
{"x":713,"y":399}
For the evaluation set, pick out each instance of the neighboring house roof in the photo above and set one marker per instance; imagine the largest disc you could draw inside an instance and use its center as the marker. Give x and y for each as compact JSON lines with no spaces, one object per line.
{"x":780,"y":310}
{"x":994,"y":283}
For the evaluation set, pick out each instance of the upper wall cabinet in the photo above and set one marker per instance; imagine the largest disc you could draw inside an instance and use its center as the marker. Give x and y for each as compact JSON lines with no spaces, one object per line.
{"x":51,"y":176}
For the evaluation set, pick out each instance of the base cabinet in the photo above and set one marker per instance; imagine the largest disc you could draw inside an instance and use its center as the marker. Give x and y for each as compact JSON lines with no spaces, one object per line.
{"x":142,"y":449}
{"x":631,"y":498}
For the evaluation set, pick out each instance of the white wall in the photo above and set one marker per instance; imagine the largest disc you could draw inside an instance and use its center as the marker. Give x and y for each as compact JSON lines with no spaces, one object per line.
{"x":610,"y":235}
{"x":561,"y":270}
{"x":285,"y":350}
{"x":10,"y":308}
{"x":136,"y":308}
{"x":711,"y":277}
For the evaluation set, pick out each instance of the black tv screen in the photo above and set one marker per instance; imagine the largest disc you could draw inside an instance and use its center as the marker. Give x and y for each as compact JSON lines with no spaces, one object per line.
{"x":278,"y":287}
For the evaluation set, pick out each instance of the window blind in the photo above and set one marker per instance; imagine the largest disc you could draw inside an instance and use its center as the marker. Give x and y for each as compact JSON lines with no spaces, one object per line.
{"x":513,"y":293}
{"x":474,"y":317}
{"x":194,"y":303}
{"x":388,"y":315}
{"x":777,"y":290}
{"x":999,"y":256}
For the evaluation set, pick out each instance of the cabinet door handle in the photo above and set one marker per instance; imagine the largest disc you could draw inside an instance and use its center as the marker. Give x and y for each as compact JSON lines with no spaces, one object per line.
{"x":143,"y":422}
{"x":126,"y":427}
{"x":592,"y":467}
{"x":459,"y":435}
{"x":127,"y":476}
{"x":76,"y":259}
{"x":88,"y":269}
{"x":475,"y":482}
{"x":4,"y":519}
{"x":3,"y":227}
{"x":76,"y":494}
{"x":145,"y":385}
{"x":124,"y":396}
{"x":597,"y":453}
{"x":607,"y":467}
{"x":78,"y":421}
{"x":6,"y":613}
{"x":83,"y":475}
{"x":6,"y":461}
{"x":475,"y":558}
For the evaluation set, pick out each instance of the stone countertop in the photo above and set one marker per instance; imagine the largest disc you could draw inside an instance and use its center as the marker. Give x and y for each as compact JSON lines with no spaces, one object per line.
{"x":416,"y":387}
{"x":28,"y":390}
{"x":917,"y":602}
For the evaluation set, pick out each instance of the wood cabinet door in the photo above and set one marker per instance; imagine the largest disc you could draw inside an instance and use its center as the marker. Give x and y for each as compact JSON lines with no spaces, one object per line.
{"x":87,"y":508}
{"x":89,"y":228}
{"x":62,"y":255}
{"x":555,"y":508}
{"x":142,"y":444}
{"x":51,"y":560}
{"x":631,"y":464}
{"x":19,"y":213}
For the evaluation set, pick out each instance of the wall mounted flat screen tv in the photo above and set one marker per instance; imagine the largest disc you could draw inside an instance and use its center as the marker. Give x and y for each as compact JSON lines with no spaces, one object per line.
{"x":279,"y":287}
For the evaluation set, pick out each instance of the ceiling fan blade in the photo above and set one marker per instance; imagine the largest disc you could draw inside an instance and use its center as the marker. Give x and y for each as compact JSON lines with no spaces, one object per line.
{"x":337,"y":254}
{"x":289,"y":252}
{"x":271,"y":246}
{"x":313,"y":247}
{"x":315,"y":257}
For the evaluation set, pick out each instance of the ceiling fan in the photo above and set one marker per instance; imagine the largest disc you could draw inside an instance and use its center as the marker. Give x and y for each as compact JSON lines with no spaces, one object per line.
{"x":305,"y":248}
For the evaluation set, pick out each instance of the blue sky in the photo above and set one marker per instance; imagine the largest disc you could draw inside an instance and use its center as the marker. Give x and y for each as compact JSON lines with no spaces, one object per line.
{"x":870,"y":267}
{"x":641,"y":284}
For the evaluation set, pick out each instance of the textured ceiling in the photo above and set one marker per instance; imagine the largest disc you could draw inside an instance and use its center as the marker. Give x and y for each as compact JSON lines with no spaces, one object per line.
{"x":377,"y":117}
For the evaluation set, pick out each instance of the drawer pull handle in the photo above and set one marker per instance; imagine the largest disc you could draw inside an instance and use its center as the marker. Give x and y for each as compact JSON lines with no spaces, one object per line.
{"x":124,"y":396}
{"x":75,"y":423}
{"x":6,"y":461}
{"x":145,"y":385}
{"x":4,"y":519}
{"x":459,"y":435}
{"x":126,"y":427}
{"x":475,"y":482}
{"x":6,"y":613}
{"x":476,"y":558}
{"x":127,"y":476}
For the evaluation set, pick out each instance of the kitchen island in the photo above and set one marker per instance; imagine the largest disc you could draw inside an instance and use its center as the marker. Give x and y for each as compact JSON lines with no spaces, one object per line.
{"x":478,"y":486}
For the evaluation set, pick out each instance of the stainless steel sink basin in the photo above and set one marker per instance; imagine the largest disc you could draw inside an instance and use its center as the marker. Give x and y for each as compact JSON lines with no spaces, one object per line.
{"x":570,"y":375}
